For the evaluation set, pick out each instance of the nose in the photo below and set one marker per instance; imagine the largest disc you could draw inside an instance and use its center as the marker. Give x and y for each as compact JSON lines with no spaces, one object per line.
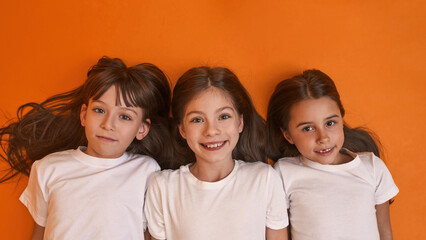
{"x":211,"y":128}
{"x":108,"y":122}
{"x":322,"y":136}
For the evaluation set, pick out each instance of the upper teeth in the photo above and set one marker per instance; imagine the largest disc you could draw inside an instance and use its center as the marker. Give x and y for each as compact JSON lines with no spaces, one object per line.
{"x":214,"y":145}
{"x":325,"y":150}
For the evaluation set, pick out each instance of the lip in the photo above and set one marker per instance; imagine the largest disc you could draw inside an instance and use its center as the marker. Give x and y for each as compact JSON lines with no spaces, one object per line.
{"x":213,"y":146}
{"x":326,"y":151}
{"x":107,"y":139}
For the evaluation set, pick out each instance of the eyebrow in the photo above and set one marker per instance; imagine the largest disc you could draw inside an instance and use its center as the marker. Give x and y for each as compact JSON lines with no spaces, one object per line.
{"x":327,"y":118}
{"x":218,"y":110}
{"x":122,"y":108}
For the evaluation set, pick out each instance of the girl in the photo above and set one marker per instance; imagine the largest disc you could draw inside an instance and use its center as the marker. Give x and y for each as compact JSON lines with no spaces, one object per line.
{"x":213,"y":196}
{"x":336,"y":187}
{"x":95,"y":191}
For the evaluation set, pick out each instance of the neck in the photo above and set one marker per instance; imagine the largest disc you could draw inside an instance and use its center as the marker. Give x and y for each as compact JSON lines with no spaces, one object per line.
{"x":211,"y":172}
{"x":343,"y":157}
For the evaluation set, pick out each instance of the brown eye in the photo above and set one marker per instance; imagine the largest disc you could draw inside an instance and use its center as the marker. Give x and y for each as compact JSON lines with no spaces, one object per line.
{"x":196,"y":120}
{"x":307,"y":129}
{"x":330,"y":123}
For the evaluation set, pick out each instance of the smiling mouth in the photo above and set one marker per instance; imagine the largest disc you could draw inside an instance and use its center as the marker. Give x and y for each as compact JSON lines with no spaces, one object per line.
{"x":325,"y":151}
{"x":213,"y":146}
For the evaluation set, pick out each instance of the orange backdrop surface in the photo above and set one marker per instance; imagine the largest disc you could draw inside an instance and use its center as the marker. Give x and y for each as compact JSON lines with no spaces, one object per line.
{"x":374,"y":50}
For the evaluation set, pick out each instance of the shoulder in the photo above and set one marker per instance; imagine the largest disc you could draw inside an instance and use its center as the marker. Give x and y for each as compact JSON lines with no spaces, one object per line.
{"x":52,"y":165}
{"x":169,"y":176}
{"x":52,"y":159}
{"x":257,"y":171}
{"x":258,"y":167}
{"x":366,"y":156}
{"x":368,"y":159}
{"x":385,"y":187}
{"x":144,"y":160}
{"x":287,"y":162}
{"x":59,"y":155}
{"x":373,"y":166}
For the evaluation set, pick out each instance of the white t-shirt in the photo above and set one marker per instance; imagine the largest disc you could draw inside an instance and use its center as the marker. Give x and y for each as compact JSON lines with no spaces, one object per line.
{"x":240,"y":206}
{"x":77,"y":196}
{"x":335,"y":201}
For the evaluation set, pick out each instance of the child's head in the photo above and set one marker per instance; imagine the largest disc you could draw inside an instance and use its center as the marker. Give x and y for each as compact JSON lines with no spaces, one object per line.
{"x":302,"y":92}
{"x":110,"y":127}
{"x":55,"y":125}
{"x":139,"y":94}
{"x":221,"y":87}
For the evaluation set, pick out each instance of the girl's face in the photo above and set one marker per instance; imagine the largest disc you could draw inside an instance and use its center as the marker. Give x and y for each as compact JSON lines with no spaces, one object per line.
{"x":316,"y":129}
{"x":109,"y":128}
{"x":211,"y":126}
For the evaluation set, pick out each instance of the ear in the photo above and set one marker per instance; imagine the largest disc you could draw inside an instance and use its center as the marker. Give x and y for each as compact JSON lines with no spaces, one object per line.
{"x":287,"y":136}
{"x":143,"y":129}
{"x":241,"y":126}
{"x":182,"y":131}
{"x":83,"y":113}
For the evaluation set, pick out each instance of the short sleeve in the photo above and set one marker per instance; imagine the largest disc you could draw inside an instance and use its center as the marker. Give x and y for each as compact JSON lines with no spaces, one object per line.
{"x":156,"y":168}
{"x":35,"y":196}
{"x":277,"y":167}
{"x":276,"y":217}
{"x":385,"y":186}
{"x":154,"y":207}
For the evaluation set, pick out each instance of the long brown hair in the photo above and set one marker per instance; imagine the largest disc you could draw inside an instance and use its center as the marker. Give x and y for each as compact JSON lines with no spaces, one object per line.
{"x":54,"y":125}
{"x":251,"y":144}
{"x":311,"y":84}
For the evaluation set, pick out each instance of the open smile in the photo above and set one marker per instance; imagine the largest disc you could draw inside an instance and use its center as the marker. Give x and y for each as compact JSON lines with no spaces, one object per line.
{"x":325,"y":151}
{"x":213,"y":145}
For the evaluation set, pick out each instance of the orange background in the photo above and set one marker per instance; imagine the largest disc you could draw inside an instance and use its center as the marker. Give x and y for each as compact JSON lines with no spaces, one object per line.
{"x":374,"y":50}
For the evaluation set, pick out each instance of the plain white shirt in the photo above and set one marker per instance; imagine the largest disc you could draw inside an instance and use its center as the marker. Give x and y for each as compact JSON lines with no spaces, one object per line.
{"x":335,"y":201}
{"x":240,"y":206}
{"x":77,"y":196}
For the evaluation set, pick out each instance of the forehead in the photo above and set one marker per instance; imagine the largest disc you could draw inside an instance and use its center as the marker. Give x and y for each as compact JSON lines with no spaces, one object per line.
{"x":312,"y":109}
{"x":210,"y":99}
{"x":114,"y":94}
{"x":109,"y":95}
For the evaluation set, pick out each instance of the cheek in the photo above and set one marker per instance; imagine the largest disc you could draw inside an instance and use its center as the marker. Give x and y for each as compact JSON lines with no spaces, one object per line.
{"x":191,"y":139}
{"x":302,"y":140}
{"x":341,"y":136}
{"x":337,"y":136}
{"x":190,"y":133}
